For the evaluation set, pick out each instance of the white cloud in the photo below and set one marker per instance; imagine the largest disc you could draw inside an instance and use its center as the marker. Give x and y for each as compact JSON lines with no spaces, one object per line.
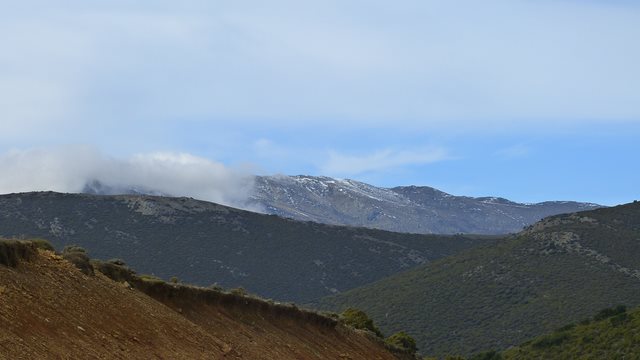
{"x":69,"y":169}
{"x":409,"y":63}
{"x":382,"y":160}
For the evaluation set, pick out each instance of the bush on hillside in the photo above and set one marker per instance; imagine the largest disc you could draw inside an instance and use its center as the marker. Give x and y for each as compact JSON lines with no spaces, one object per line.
{"x":12,"y":251}
{"x":239,"y":291}
{"x":79,"y":258}
{"x":74,"y":249}
{"x":402,"y":341}
{"x":114,"y":270}
{"x":43,"y":244}
{"x":215,"y":287}
{"x":359,"y":320}
{"x":118,"y":262}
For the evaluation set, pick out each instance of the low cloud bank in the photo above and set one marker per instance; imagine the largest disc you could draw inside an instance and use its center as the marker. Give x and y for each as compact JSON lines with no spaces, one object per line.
{"x":70,"y":169}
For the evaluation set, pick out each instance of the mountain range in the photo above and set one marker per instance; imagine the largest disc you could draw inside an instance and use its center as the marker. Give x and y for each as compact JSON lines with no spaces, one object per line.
{"x":410,"y":209}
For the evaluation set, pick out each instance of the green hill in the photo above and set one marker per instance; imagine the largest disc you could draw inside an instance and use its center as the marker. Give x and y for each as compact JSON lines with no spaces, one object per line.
{"x":615,"y":335}
{"x":205,"y":243}
{"x":559,"y":270}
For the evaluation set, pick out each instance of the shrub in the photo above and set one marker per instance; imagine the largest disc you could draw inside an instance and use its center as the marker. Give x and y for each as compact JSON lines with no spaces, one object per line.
{"x":118,"y":262}
{"x":239,"y":291}
{"x":215,"y":287}
{"x":74,"y":249}
{"x":402,"y":341}
{"x":114,"y":271}
{"x":81,"y":261}
{"x":359,"y":320}
{"x":43,"y":244}
{"x":12,"y":251}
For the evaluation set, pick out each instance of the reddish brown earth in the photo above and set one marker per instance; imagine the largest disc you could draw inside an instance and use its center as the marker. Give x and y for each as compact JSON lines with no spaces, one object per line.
{"x":50,"y":310}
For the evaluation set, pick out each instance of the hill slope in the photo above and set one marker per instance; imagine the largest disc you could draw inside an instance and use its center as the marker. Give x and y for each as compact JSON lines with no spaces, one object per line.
{"x":615,"y":337}
{"x":205,"y":243}
{"x":560,"y":270}
{"x":50,"y":310}
{"x":409,"y":209}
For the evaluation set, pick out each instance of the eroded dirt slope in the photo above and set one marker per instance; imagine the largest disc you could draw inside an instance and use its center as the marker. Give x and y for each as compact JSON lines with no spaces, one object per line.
{"x":49,"y":309}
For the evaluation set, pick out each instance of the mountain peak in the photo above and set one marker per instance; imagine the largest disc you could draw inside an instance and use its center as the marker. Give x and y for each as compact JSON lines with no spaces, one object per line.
{"x":413,"y":209}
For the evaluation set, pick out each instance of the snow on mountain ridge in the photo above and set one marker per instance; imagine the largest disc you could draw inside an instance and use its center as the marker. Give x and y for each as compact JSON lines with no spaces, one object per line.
{"x":415,"y":209}
{"x":418,"y":209}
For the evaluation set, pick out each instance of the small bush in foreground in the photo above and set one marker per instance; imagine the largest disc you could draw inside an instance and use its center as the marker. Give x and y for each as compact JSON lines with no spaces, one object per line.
{"x":12,"y":251}
{"x":359,"y":320}
{"x":239,"y":291}
{"x":79,"y":258}
{"x":402,"y":341}
{"x":43,"y":244}
{"x":118,"y":262}
{"x":115,"y":270}
{"x":74,"y":249}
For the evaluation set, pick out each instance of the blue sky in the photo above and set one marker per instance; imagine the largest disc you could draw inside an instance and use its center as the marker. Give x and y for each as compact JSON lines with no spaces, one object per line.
{"x":529,"y":100}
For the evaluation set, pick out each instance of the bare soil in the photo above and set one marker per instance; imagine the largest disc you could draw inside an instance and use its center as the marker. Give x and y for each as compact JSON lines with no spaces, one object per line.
{"x":50,"y":310}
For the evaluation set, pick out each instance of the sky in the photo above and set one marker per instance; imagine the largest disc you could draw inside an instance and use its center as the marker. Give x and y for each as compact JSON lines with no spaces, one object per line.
{"x":530,"y":100}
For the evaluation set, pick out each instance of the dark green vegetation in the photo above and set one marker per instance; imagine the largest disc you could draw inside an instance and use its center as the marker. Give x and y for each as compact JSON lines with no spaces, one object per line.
{"x":401,"y":340}
{"x":400,"y":343}
{"x":558,"y":271}
{"x":204,"y":243}
{"x":359,"y":320}
{"x":612,"y":334}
